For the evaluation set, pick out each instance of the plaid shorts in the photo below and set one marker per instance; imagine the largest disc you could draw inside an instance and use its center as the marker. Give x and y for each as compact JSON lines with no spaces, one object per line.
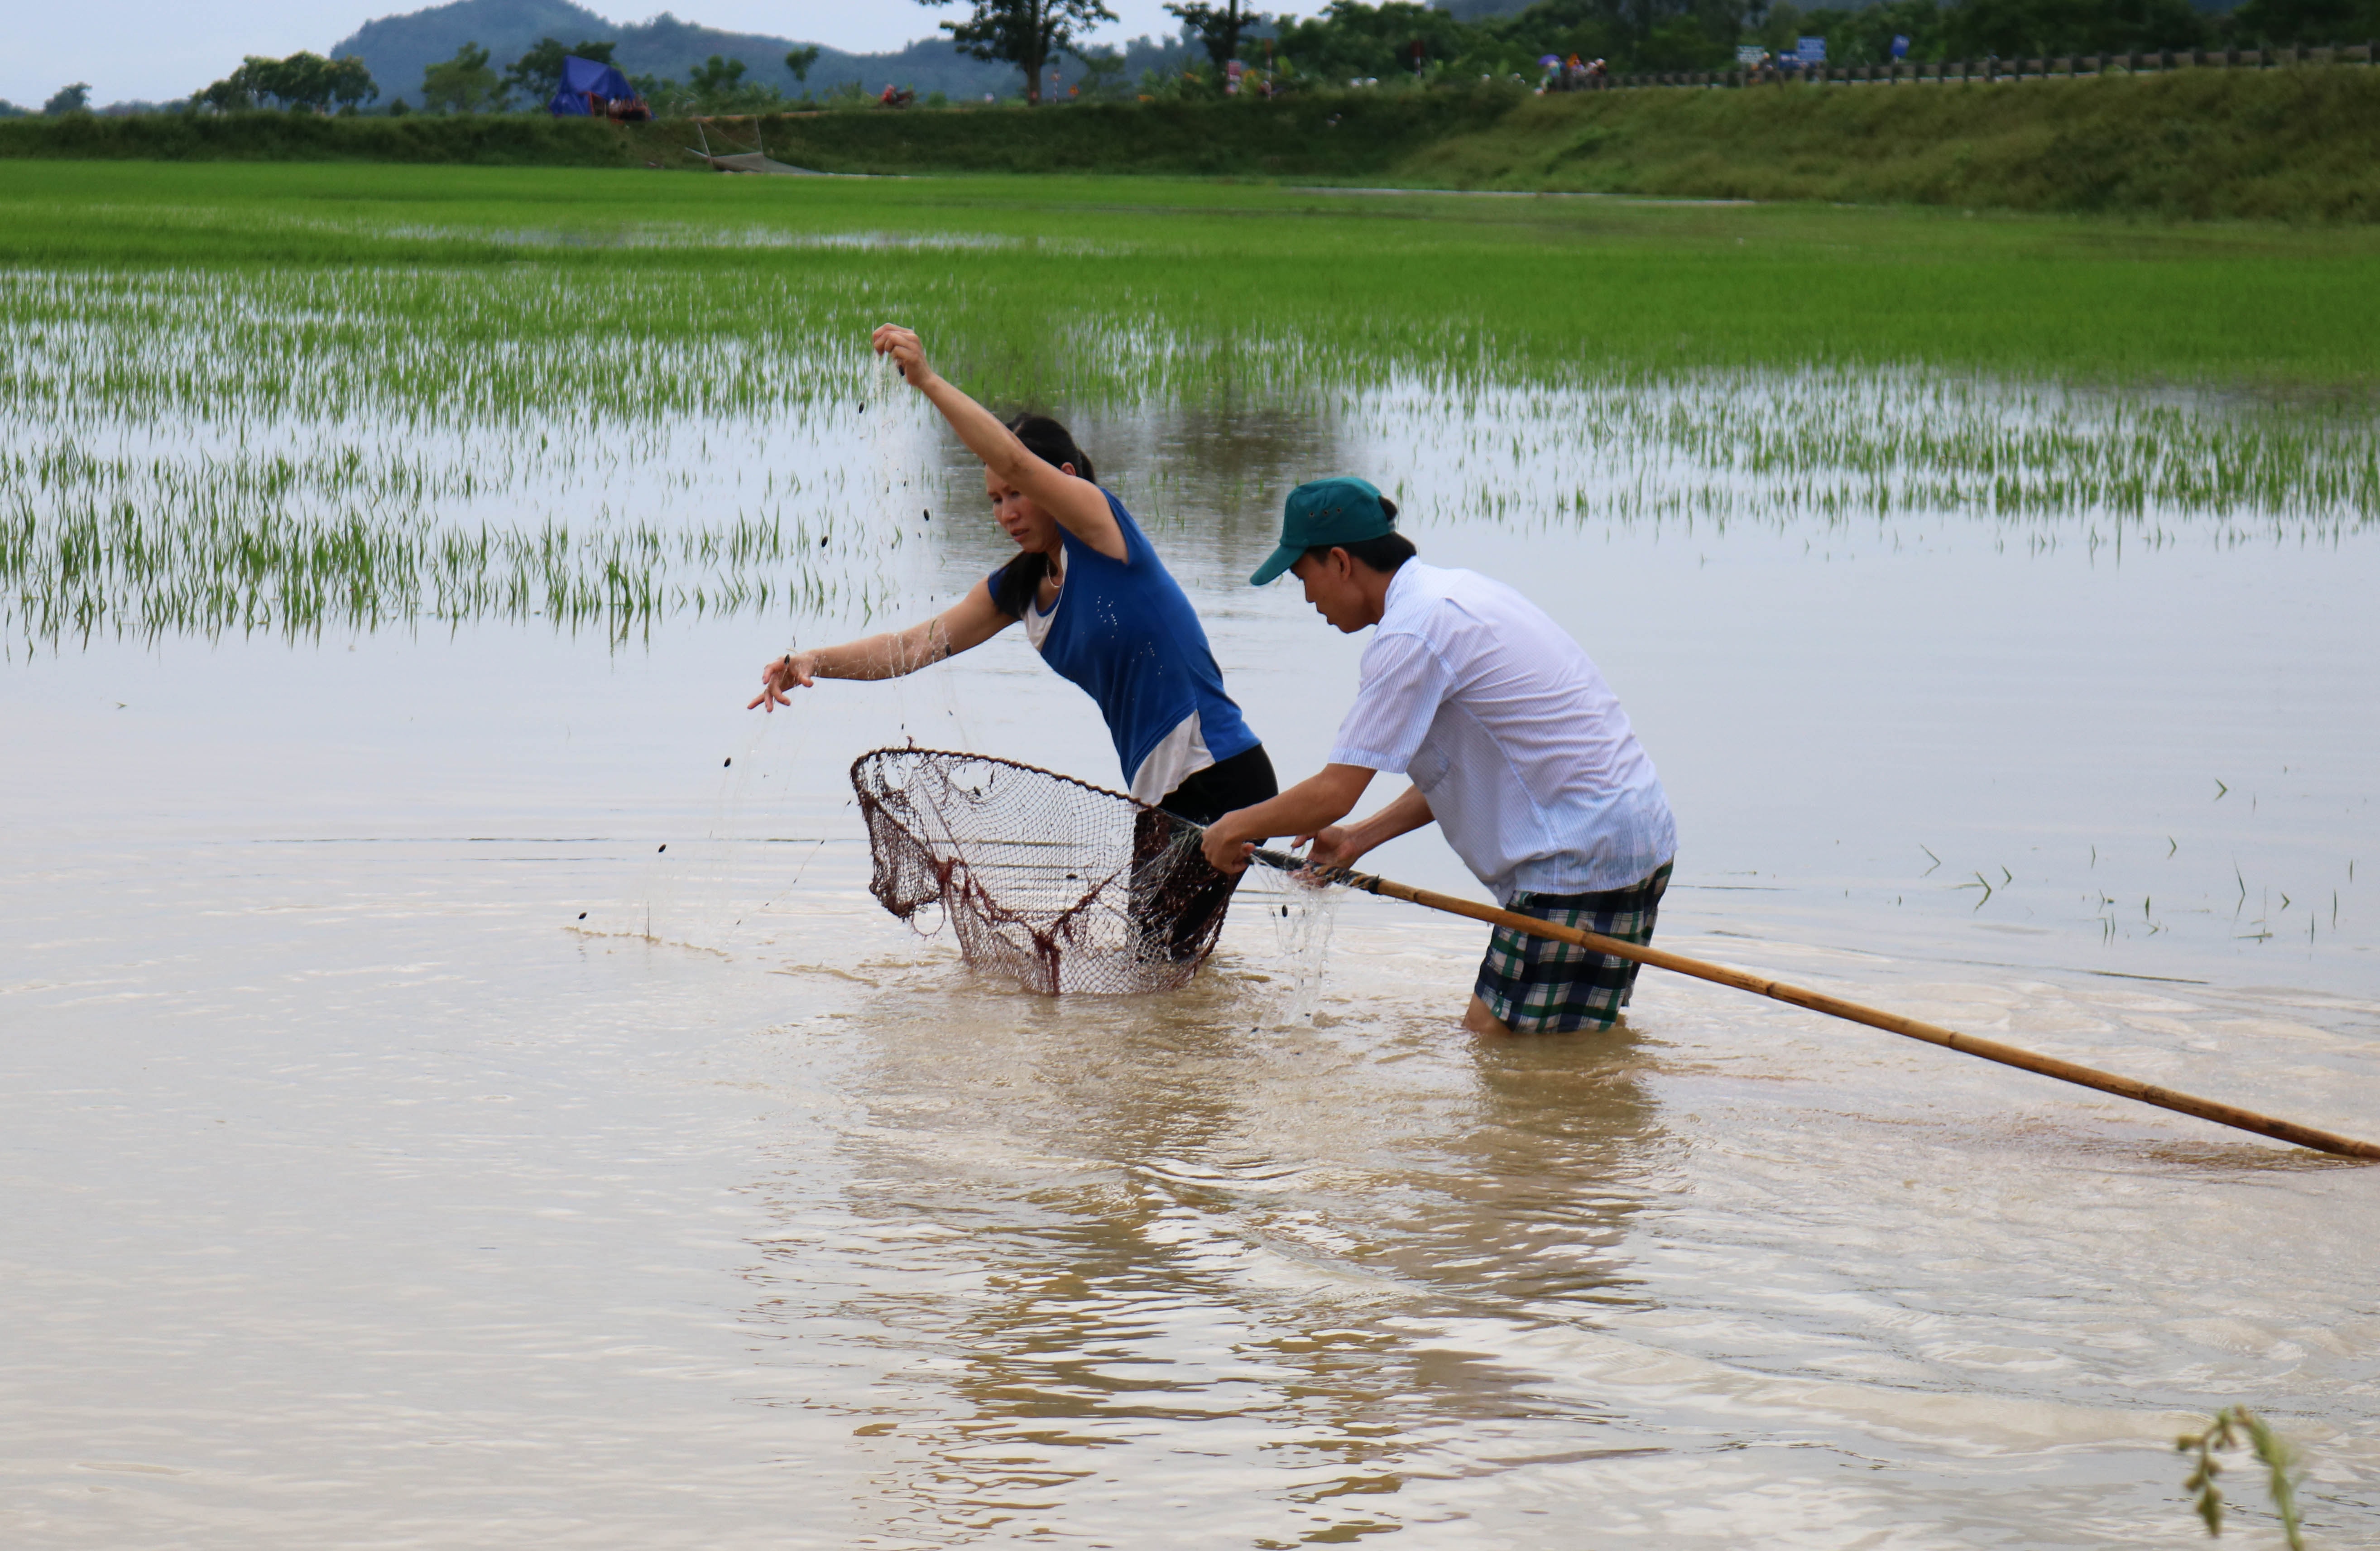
{"x":1536,"y":985}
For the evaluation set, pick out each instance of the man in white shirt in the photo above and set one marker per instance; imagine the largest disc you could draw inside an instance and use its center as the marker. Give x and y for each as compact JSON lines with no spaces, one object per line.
{"x":1517,"y":748}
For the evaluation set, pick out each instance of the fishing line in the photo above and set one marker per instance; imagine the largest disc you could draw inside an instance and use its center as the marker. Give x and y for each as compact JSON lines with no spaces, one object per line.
{"x":687,"y":892}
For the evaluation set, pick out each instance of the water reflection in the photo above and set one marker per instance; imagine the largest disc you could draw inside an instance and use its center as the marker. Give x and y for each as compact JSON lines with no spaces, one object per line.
{"x":306,"y":521}
{"x":1206,"y":482}
{"x":1088,"y":1218}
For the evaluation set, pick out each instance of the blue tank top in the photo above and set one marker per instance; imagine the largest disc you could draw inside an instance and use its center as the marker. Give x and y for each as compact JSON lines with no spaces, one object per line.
{"x":1122,"y":631}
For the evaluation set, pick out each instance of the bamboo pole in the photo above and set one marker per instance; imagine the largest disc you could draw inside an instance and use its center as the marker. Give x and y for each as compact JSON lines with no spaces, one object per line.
{"x":1819,"y":1001}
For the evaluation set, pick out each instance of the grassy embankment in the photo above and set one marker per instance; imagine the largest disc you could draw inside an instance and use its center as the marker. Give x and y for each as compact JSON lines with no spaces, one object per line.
{"x":2297,"y":144}
{"x":2292,"y":145}
{"x":403,"y":349}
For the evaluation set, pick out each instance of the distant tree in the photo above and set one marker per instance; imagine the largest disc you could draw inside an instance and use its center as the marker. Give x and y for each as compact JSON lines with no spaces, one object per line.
{"x":350,"y":83}
{"x":1103,"y":73}
{"x":1632,"y":35}
{"x":463,"y":84}
{"x":10,"y":109}
{"x":800,"y":62}
{"x":717,"y":76}
{"x":303,"y":81}
{"x":1023,"y":32}
{"x":1861,"y":37}
{"x":1219,"y":27}
{"x":537,"y":75}
{"x":69,"y":99}
{"x":226,"y":95}
{"x":665,"y":94}
{"x":720,"y":85}
{"x":2027,"y":28}
{"x":2283,"y":23}
{"x":1350,"y":40}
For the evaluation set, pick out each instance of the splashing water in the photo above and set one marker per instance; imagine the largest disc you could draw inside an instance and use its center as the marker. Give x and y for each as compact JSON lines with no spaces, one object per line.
{"x":1301,"y":916}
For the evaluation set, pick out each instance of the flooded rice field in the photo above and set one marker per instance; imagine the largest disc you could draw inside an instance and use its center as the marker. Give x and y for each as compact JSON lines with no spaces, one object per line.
{"x":458,"y":1089}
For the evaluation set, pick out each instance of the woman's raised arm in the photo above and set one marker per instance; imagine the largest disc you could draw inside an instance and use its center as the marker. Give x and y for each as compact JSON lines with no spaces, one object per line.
{"x":1080,"y":506}
{"x":969,"y":622}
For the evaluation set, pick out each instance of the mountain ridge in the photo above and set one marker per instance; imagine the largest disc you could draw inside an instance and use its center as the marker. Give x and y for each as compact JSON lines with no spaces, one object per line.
{"x":396,"y":48}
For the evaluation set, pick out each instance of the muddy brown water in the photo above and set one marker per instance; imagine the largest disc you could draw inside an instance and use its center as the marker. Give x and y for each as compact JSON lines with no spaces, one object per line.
{"x":363,"y":1193}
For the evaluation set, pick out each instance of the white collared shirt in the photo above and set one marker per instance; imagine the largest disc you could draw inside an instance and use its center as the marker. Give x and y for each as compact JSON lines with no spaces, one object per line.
{"x":1508,"y":727}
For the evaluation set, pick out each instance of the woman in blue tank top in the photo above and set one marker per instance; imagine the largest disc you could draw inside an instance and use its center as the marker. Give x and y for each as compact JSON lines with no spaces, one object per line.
{"x":1096,"y":604}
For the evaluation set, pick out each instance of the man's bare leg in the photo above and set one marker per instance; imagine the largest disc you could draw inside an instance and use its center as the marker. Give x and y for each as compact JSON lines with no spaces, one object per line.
{"x":1478,"y":1020}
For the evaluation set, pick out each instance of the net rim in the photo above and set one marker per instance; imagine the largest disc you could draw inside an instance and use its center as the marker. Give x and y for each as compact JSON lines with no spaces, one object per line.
{"x":1014,"y":765}
{"x":950,"y":878}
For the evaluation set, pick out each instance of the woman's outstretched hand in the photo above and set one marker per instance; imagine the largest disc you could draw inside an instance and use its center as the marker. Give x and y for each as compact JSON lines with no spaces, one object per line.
{"x":782,"y":674}
{"x":908,"y":352}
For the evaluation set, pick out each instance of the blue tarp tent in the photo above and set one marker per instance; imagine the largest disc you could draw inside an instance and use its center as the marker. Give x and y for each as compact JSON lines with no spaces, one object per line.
{"x":587,"y":85}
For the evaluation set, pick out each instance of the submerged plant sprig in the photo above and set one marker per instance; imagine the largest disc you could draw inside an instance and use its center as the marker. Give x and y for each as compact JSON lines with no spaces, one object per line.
{"x":2227,"y":1429}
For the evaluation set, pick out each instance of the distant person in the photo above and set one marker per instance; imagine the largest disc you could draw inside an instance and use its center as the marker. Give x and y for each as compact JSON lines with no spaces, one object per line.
{"x":1518,"y":751}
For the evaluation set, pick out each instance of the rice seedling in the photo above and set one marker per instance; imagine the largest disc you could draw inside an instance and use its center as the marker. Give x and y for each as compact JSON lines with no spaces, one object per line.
{"x":111,"y":570}
{"x":1235,"y":284}
{"x":429,"y":413}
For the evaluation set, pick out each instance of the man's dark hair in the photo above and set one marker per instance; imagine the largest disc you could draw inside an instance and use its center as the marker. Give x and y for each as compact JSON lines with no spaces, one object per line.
{"x":1383,"y":554}
{"x":1020,"y":580}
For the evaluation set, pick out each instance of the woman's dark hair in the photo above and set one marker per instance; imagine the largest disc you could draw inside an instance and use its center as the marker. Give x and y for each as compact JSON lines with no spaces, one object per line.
{"x":1052,"y":443}
{"x":1383,"y":554}
{"x":1020,"y":580}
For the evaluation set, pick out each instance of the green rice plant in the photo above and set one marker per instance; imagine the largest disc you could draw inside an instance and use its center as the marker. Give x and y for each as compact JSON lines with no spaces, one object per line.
{"x":503,"y":400}
{"x":89,"y":548}
{"x":1203,"y":290}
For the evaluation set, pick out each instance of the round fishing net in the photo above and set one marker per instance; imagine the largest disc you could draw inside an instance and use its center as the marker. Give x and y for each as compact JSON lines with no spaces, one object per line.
{"x":1055,"y":883}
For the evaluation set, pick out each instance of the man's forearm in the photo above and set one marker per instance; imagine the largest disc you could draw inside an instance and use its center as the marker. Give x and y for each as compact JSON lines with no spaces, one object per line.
{"x":1313,"y":804}
{"x":1308,"y":807}
{"x":1409,"y":812}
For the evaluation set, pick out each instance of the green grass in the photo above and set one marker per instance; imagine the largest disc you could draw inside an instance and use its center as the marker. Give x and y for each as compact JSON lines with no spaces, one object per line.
{"x":291,"y":398}
{"x":1328,"y":137}
{"x":2285,"y":145}
{"x":1185,"y":288}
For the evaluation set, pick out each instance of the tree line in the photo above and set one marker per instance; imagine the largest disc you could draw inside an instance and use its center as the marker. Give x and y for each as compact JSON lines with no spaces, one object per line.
{"x":1350,"y":41}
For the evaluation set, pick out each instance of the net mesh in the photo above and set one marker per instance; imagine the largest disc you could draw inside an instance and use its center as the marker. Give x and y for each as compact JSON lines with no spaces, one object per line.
{"x":1055,"y":883}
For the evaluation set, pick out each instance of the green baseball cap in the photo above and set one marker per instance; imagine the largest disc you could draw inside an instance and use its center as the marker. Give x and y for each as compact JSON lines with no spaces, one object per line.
{"x":1323,"y":511}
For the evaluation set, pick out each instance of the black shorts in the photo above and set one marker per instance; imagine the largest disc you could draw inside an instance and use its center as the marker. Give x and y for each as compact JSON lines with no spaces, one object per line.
{"x":1225,"y":786}
{"x":1177,"y":897}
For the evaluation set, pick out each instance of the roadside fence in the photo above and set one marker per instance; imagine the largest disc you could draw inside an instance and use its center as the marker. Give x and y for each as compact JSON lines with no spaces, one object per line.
{"x":2064,"y":67}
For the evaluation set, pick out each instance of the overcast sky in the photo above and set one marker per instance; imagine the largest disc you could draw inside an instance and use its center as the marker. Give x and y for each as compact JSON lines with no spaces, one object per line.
{"x":163,"y":49}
